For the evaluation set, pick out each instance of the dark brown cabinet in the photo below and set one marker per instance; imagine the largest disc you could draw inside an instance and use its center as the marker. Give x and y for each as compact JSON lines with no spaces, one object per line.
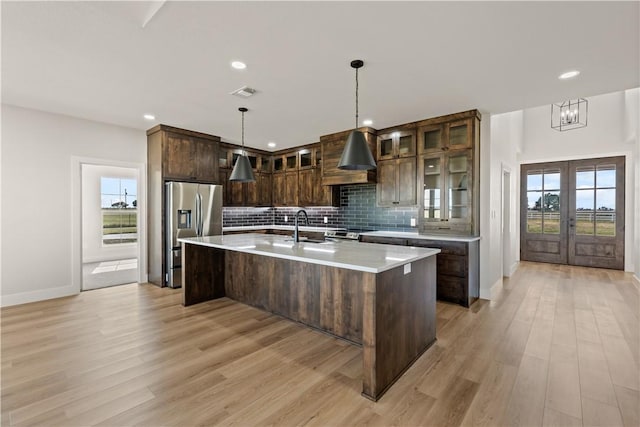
{"x":397,"y":177}
{"x":256,"y":193}
{"x":174,"y":154}
{"x":458,"y":272}
{"x":186,"y":157}
{"x":332,"y":148}
{"x":448,"y":174}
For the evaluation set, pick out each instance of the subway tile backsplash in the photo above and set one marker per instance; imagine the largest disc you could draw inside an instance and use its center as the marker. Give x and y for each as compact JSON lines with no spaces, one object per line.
{"x":357,"y":210}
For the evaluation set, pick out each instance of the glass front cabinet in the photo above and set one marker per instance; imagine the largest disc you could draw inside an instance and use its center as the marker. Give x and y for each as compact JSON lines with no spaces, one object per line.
{"x":448,"y":170}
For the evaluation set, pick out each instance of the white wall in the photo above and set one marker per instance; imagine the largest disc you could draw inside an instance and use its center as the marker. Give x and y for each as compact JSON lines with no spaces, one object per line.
{"x":92,"y":248}
{"x":632,"y":135}
{"x":501,"y":139}
{"x":37,"y":203}
{"x":606,"y":134}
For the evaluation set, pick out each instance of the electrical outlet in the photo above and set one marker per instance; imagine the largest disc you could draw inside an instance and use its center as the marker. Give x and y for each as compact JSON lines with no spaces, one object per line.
{"x":286,"y":218}
{"x":413,"y":222}
{"x":326,"y":220}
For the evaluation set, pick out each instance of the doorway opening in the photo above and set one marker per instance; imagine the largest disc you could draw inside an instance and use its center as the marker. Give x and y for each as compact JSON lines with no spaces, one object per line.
{"x":572,"y":212}
{"x":110,"y":226}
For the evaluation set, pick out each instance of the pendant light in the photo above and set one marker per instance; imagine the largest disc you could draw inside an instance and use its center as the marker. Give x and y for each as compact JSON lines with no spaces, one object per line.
{"x":242,"y":171}
{"x":356,"y":154}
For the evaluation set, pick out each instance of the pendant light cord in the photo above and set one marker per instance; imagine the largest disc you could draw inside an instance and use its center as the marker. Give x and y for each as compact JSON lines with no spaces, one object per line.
{"x":356,"y":98}
{"x":243,"y":152}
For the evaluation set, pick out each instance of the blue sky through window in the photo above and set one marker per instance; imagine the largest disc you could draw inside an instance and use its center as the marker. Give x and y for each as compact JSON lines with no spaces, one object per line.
{"x":112,"y":190}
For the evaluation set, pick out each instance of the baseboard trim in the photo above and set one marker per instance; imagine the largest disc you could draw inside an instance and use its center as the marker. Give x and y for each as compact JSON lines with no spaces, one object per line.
{"x":40,"y":295}
{"x":488,"y":293}
{"x":513,"y":268}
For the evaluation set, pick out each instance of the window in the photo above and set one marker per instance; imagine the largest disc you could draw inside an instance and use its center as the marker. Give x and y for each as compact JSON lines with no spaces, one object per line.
{"x":543,"y":201}
{"x":119,"y":202}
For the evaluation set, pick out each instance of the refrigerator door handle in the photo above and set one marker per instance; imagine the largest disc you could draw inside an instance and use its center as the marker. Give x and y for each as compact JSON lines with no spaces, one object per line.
{"x":198,"y":215}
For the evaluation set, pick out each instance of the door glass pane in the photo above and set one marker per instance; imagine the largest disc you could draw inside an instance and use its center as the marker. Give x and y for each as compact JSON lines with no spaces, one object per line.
{"x":222,"y":159}
{"x":534,"y":181}
{"x":551,"y":180}
{"x":605,"y":212}
{"x":119,"y":203}
{"x":277,"y":164}
{"x":585,"y":201}
{"x":266,"y":164}
{"x":432,"y":188}
{"x":585,"y":177}
{"x":458,"y":135}
{"x":406,"y":146}
{"x":551,"y":212}
{"x":606,"y":177}
{"x":386,"y":147}
{"x":534,"y":211}
{"x":291,"y":162}
{"x":432,"y":139}
{"x":305,"y":159}
{"x":254,"y":161}
{"x":458,"y":198}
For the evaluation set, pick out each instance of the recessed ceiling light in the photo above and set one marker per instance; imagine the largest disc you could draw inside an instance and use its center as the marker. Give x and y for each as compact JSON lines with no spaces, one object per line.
{"x":149,"y":117}
{"x":271,"y":144}
{"x":569,"y":75}
{"x":238,"y":65}
{"x":367,"y":122}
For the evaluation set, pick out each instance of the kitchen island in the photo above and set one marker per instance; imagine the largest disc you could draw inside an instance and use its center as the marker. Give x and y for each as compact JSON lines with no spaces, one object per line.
{"x":381,"y":297}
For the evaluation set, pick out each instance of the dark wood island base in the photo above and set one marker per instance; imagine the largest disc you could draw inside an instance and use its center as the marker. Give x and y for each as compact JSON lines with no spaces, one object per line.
{"x":391,"y":314}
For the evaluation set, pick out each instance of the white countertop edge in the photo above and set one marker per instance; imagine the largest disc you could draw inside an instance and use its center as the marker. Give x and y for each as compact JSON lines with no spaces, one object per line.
{"x":410,"y":235}
{"x":431,"y":252}
{"x":279,"y":227}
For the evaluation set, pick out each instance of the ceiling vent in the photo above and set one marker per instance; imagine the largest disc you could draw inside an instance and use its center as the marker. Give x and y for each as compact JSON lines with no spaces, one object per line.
{"x":244,"y":92}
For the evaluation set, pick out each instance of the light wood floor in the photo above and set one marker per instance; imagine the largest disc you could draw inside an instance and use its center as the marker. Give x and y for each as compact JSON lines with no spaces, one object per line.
{"x":559,"y":346}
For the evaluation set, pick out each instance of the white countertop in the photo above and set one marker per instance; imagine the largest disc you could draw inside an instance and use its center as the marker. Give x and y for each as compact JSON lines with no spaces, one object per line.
{"x":279,"y":227}
{"x":369,"y":257}
{"x":415,"y":235}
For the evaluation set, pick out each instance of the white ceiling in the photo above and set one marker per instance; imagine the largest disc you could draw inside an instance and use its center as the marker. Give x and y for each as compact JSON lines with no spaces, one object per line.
{"x":96,"y":60}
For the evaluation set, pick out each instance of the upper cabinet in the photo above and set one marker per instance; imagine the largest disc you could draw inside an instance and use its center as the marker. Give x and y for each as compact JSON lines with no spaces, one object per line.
{"x":256,"y":193}
{"x":448,"y":174}
{"x":332,"y":148}
{"x":184,"y":155}
{"x":456,"y":135}
{"x":397,"y":178}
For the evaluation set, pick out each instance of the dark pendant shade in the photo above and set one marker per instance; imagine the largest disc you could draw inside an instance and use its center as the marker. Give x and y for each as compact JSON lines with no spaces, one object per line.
{"x":242,"y":171}
{"x":356,"y":154}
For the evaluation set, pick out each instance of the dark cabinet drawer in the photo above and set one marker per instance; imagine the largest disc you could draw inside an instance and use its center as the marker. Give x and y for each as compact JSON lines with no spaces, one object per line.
{"x":454,"y":248}
{"x":452,"y":289}
{"x":384,"y":240}
{"x":452,"y":265}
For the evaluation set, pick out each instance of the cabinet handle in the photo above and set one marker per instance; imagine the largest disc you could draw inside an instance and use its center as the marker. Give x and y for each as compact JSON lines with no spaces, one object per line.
{"x":396,"y":203}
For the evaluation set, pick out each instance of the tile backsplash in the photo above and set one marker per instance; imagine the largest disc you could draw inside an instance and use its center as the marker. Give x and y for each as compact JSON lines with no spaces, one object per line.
{"x":357,"y":210}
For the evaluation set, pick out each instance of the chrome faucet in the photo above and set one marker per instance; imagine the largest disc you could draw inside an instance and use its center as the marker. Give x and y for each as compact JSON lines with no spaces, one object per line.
{"x":296,"y":233}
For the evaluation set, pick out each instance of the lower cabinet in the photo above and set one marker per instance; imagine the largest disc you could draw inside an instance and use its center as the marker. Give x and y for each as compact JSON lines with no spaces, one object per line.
{"x":458,"y":266}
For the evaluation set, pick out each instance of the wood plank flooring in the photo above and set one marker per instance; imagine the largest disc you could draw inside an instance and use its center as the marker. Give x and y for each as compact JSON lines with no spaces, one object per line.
{"x":559,"y":346}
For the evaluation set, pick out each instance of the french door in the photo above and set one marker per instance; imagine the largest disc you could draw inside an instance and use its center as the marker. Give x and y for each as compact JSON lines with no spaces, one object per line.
{"x":573,"y":212}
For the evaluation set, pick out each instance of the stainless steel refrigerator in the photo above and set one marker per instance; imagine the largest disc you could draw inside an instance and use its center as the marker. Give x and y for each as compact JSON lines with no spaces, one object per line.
{"x":191,"y":210}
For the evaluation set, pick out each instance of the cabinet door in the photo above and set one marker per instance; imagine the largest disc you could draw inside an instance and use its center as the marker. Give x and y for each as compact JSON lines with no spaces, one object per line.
{"x":264,"y":189}
{"x":432,"y":188}
{"x":251,"y":191}
{"x":278,"y":186}
{"x":306,"y":182}
{"x":224,"y":175}
{"x":291,"y":188}
{"x":396,"y":144}
{"x":387,"y":183}
{"x":178,"y":161}
{"x":406,"y":178}
{"x":459,"y":188}
{"x":459,"y":135}
{"x":236,"y":193}
{"x":206,"y":160}
{"x":386,"y":145}
{"x":324,"y":195}
{"x":431,"y":139}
